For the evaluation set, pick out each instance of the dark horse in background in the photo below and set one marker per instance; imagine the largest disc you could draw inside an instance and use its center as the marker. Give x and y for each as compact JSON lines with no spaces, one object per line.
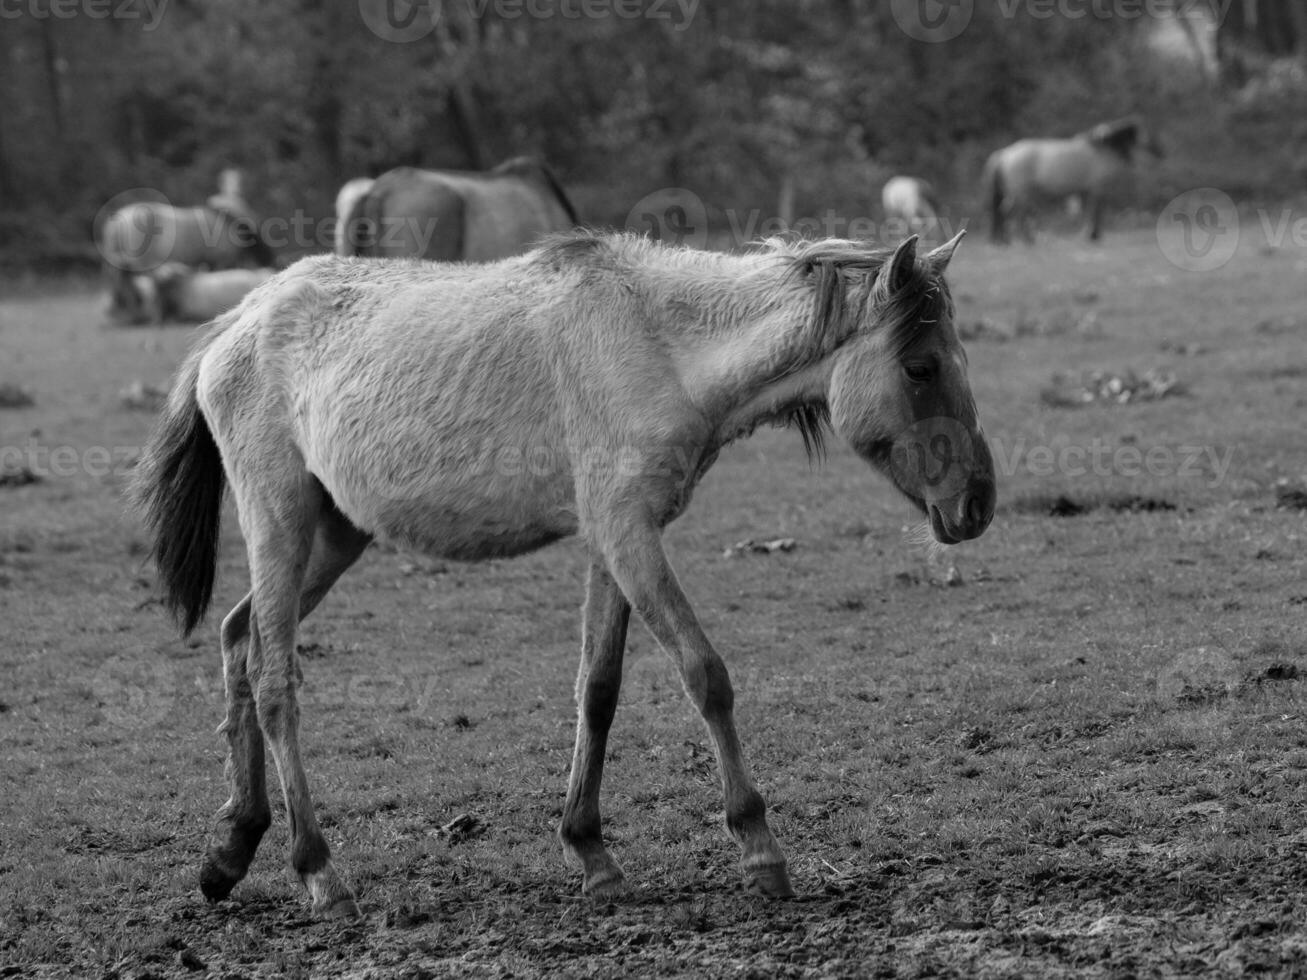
{"x":142,"y":237}
{"x":450,"y":215}
{"x":1030,"y":172}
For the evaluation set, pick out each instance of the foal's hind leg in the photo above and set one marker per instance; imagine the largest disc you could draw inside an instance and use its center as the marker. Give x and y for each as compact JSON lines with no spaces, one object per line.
{"x":243,"y":819}
{"x":635,"y":558}
{"x":278,"y":516}
{"x":597,"y":684}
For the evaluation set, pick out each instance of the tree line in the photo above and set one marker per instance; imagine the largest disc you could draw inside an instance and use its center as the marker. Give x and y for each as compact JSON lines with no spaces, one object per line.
{"x":806,"y":104}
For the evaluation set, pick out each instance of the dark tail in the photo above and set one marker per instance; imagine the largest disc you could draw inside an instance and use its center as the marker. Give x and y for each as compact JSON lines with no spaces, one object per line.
{"x":994,"y":194}
{"x":178,"y":484}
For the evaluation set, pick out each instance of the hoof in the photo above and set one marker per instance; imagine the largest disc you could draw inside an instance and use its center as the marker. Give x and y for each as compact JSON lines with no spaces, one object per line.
{"x":773,"y":882}
{"x":332,"y":898}
{"x":343,"y":908}
{"x":216,"y":882}
{"x":606,"y":885}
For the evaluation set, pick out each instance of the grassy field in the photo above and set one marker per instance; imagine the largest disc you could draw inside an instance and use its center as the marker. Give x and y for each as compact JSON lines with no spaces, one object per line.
{"x":1074,"y":747}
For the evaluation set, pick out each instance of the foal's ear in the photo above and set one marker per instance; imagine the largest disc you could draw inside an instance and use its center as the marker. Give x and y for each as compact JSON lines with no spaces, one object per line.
{"x":939,"y":259}
{"x":898,"y":271}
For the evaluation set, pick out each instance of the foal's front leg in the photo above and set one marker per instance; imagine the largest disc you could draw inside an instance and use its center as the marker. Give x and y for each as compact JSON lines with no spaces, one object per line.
{"x":598,"y":682}
{"x":637,"y":562}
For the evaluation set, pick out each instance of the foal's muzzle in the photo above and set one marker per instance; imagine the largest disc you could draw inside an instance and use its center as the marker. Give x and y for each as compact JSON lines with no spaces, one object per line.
{"x":964,"y":516}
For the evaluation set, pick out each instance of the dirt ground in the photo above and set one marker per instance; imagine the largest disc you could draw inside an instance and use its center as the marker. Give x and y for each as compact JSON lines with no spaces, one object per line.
{"x":1073,"y":747}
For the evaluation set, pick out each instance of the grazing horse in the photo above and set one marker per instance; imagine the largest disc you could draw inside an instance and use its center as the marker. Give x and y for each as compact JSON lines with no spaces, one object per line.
{"x":1018,"y":178}
{"x":144,"y":235}
{"x":178,"y":293}
{"x":345,"y":401}
{"x":452,"y":216}
{"x":912,"y":200}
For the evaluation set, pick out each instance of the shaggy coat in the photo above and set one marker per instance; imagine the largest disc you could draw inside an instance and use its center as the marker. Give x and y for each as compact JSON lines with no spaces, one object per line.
{"x":478,"y":411}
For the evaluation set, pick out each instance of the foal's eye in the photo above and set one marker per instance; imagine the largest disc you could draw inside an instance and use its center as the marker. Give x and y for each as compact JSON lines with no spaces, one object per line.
{"x":919,"y":372}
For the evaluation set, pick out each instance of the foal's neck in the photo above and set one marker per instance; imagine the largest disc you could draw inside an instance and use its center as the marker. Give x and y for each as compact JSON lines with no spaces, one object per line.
{"x":760,"y":354}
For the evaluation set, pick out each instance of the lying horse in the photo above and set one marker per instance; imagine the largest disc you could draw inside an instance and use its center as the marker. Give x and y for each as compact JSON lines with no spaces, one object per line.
{"x":1018,"y":178}
{"x":911,"y":200}
{"x":179,"y":294}
{"x":345,"y":401}
{"x":142,"y":236}
{"x":452,"y":216}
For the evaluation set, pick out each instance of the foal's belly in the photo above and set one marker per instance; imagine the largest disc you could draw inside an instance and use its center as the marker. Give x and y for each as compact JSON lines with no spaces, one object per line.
{"x":459,"y":512}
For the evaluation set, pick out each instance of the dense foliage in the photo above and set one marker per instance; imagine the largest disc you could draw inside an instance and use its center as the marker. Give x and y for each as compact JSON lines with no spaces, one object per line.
{"x":745,"y":102}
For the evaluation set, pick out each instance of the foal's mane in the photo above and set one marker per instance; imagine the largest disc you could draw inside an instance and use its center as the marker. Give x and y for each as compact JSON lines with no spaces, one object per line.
{"x":844,"y":279}
{"x":847,"y":285}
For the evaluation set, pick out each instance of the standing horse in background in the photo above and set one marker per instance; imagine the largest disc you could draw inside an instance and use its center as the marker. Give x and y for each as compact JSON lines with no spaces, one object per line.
{"x":142,"y":236}
{"x":1030,"y":172}
{"x":453,"y":216}
{"x":912,"y":200}
{"x":344,"y":401}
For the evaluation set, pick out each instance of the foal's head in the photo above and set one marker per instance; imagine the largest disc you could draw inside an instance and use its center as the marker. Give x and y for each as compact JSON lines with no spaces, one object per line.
{"x":899,"y":393}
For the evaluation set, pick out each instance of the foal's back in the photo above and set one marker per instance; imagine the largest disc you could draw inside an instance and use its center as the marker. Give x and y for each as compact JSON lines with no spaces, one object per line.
{"x":451,"y":406}
{"x":420,"y":395}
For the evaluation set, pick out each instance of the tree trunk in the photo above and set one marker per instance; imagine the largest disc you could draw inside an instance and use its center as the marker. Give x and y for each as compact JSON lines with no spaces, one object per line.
{"x":7,"y":189}
{"x":326,"y":108}
{"x":461,"y":49}
{"x":53,"y":72}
